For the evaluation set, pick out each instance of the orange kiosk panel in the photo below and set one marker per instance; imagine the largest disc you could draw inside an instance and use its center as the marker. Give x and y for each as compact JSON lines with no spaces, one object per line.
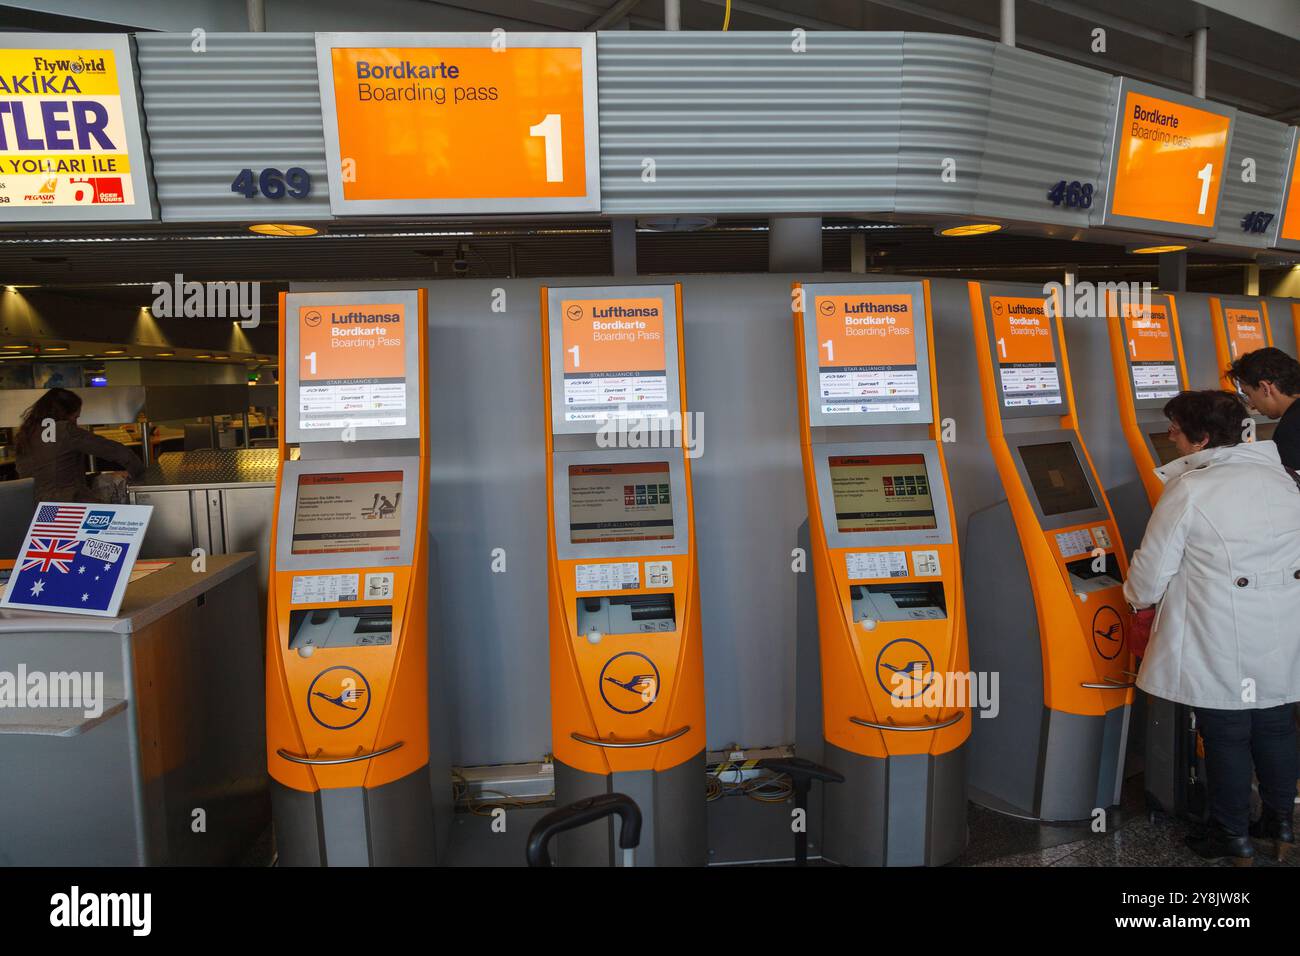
{"x":887,"y":574}
{"x":1241,"y":325}
{"x":347,"y":616}
{"x":627,"y":665}
{"x":1044,"y":573}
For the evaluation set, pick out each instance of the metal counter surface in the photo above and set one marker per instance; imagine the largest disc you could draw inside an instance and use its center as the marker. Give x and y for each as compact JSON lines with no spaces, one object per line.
{"x":211,"y":468}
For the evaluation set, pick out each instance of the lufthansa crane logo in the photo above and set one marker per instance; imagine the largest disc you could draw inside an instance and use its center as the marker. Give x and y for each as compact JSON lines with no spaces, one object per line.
{"x":1108,"y":632}
{"x":339,"y":697}
{"x":902,"y":666}
{"x":826,"y":307}
{"x":312,"y":318}
{"x":573,"y":313}
{"x":629,"y":682}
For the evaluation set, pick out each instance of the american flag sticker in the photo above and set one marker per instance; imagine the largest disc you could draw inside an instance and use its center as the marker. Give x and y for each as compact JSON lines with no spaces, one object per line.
{"x":54,"y":521}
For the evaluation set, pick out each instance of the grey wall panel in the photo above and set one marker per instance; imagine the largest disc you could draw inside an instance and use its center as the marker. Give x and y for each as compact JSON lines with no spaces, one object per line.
{"x":1048,"y":121}
{"x":945,"y":115}
{"x":1267,"y":142}
{"x":1197,"y":328}
{"x":1282,"y":321}
{"x":738,"y":122}
{"x":251,"y":101}
{"x":1096,"y":402}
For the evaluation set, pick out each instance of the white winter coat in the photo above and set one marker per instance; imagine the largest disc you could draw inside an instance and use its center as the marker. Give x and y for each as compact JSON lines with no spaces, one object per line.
{"x":1222,"y":557}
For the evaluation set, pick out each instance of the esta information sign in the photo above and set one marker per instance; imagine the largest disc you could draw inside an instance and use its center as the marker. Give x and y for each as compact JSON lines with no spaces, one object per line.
{"x":70,"y":143}
{"x":459,"y":123}
{"x":1167,"y":162}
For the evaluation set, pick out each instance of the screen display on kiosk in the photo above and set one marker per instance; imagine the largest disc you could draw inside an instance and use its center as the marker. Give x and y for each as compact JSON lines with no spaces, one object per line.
{"x":1057,"y":477}
{"x":1164,"y":447}
{"x":881,"y":493}
{"x":620,"y":502}
{"x":351,"y":512}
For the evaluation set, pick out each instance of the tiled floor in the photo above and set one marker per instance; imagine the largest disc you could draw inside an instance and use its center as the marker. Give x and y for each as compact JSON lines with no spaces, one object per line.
{"x":1133,"y":839}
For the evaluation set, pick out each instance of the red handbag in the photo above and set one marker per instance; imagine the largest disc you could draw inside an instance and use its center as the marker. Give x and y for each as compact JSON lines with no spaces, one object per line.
{"x":1140,"y":634}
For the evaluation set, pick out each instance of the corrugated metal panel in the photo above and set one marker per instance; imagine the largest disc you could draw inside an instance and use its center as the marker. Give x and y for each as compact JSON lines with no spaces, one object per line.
{"x":944,"y":115}
{"x":1048,"y":122}
{"x":738,"y":122}
{"x":1266,"y":141}
{"x":251,"y":101}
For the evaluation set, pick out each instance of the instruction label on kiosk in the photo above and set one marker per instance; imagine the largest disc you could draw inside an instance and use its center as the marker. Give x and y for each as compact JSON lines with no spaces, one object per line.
{"x":866,"y":354}
{"x":77,"y":558}
{"x":1245,"y":330}
{"x":1150,"y":345}
{"x":1026,"y":357}
{"x":620,"y":576}
{"x":615,"y":361}
{"x":353,"y":366}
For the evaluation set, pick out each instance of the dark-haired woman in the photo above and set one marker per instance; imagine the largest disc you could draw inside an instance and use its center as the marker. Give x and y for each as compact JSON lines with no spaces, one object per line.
{"x":51,"y":448}
{"x":1221,"y":556}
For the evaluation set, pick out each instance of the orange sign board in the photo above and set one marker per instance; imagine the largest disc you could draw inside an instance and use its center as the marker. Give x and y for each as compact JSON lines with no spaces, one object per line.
{"x":1169,"y":161}
{"x":615,"y":358}
{"x":1149,"y":340}
{"x":866,"y":353}
{"x":1026,"y":355}
{"x":352,"y":365}
{"x":465,"y":126}
{"x":1290,"y":227}
{"x":1245,"y":331}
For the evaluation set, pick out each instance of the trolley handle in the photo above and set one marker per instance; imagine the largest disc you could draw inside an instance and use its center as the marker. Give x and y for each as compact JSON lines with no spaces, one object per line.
{"x":331,"y":761}
{"x":580,"y":814}
{"x":614,"y":744}
{"x":863,"y":722}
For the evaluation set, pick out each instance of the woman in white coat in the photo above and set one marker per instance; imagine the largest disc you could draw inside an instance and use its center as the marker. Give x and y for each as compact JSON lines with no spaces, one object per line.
{"x":1221,"y":556}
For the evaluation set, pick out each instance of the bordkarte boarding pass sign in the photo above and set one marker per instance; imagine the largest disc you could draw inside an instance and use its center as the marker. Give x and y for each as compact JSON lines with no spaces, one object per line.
{"x":77,"y":558}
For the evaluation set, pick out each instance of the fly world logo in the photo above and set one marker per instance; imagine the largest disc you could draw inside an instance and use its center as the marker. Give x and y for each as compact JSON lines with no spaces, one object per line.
{"x":237,"y":301}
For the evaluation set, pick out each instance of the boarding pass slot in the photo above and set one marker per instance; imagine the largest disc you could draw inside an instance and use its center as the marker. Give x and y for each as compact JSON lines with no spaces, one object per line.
{"x":332,"y":627}
{"x":1083,"y":579}
{"x":917,"y":601}
{"x":627,"y":614}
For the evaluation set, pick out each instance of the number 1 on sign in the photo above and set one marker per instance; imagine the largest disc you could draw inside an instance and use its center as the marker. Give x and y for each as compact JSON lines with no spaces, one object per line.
{"x":549,"y":130}
{"x":1205,"y":175}
{"x":829,"y":346}
{"x":576,"y":362}
{"x":310,"y":359}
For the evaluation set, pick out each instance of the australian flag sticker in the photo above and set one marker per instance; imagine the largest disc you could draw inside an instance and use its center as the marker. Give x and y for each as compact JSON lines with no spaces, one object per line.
{"x":79,"y":575}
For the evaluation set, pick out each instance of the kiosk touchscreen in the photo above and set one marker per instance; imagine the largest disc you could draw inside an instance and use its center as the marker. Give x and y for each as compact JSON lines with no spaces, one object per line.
{"x":1241,"y":325}
{"x":347,"y":629}
{"x":627,"y":665}
{"x":1044,"y":577}
{"x":891,"y":620}
{"x":1146,"y":350}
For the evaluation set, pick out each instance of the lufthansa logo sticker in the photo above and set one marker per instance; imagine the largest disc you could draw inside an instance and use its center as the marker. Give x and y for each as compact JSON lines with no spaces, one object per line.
{"x":1108,"y":632}
{"x":573,"y":313}
{"x":339,"y":697}
{"x":902,"y":666}
{"x":629,"y":682}
{"x":825,"y":306}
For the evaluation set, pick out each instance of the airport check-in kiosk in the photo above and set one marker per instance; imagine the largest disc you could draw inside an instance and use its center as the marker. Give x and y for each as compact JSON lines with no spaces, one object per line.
{"x":885,"y":564}
{"x":627,"y":665}
{"x":1044,"y":578}
{"x":1241,"y":325}
{"x":347,"y":617}
{"x":1146,"y":349}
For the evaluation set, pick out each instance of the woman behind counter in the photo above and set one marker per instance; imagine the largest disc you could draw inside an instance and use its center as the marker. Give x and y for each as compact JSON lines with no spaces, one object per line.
{"x":59,"y":466}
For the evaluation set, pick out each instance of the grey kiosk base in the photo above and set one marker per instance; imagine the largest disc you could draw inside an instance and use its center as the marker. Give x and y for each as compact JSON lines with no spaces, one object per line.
{"x":673,"y":811}
{"x":907,"y":810}
{"x":1028,"y":761}
{"x":403,"y":823}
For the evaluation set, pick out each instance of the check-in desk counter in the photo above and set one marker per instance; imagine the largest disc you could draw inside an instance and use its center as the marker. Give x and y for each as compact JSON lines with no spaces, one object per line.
{"x":169,"y":767}
{"x":220,"y":500}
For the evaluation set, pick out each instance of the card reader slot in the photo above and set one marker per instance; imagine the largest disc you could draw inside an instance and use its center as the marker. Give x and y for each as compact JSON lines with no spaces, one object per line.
{"x":914,"y":601}
{"x":1084,"y":577}
{"x":627,"y":614}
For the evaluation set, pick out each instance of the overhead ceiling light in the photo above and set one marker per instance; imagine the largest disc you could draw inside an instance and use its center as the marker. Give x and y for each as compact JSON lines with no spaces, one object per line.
{"x":54,"y":348}
{"x":1153,"y":250}
{"x":970,"y":229}
{"x":114,"y":351}
{"x":220,"y":358}
{"x":677,"y":223}
{"x":282,"y":229}
{"x":204,"y":355}
{"x":15,"y":346}
{"x":163,"y":354}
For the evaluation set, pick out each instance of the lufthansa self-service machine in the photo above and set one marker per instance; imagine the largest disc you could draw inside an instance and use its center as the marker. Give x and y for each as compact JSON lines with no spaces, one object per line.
{"x":1146,"y":349}
{"x":627,"y":666}
{"x":347,"y":619}
{"x":1044,"y":577}
{"x":1241,"y":325}
{"x":891,"y":617}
